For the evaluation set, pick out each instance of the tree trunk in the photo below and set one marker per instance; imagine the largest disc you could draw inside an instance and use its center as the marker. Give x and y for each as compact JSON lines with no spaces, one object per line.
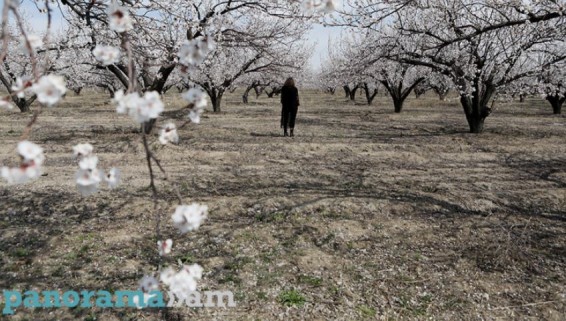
{"x":521,"y":98}
{"x":23,"y":105}
{"x":159,"y":83}
{"x":369,"y":95}
{"x":353,"y":93}
{"x":556,"y":103}
{"x":274,"y":91}
{"x":258,"y":90}
{"x":347,"y":91}
{"x":398,"y":94}
{"x":216,"y":99}
{"x":476,"y":111}
{"x":398,"y":104}
{"x":476,"y":123}
{"x":246,"y":94}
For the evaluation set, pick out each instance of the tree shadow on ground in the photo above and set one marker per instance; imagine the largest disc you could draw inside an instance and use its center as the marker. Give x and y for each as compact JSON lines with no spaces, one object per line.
{"x":31,"y":220}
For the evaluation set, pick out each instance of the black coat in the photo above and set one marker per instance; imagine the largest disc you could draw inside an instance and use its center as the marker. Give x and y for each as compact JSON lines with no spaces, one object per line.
{"x":290,"y":104}
{"x":289,"y":97}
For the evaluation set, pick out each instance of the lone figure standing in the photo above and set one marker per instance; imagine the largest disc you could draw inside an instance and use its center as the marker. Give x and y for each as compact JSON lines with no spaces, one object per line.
{"x":290,"y":105}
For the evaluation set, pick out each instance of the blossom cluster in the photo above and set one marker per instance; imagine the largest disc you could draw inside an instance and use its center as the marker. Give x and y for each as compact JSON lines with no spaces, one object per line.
{"x":89,"y":177}
{"x":168,"y":134}
{"x":197,"y":101}
{"x":107,"y":55}
{"x":180,"y":283}
{"x":30,"y":167}
{"x":323,"y":5}
{"x":193,"y":52}
{"x":119,"y":18}
{"x":49,"y":89}
{"x":140,"y":108}
{"x":189,"y":217}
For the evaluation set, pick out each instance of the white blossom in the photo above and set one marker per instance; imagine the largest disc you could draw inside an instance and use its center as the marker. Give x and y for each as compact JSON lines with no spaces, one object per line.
{"x":148,"y":284}
{"x":193,"y":52}
{"x":88,"y":163}
{"x":323,"y":5}
{"x":107,"y":55}
{"x":194,"y":270}
{"x":119,"y":18}
{"x":88,"y":181}
{"x":165,"y":246}
{"x":49,"y":89}
{"x":30,"y":167}
{"x":182,"y":283}
{"x":189,"y":217}
{"x":82,"y":150}
{"x":125,"y":102}
{"x":22,"y":174}
{"x":197,"y":99}
{"x":168,"y":134}
{"x":140,"y":109}
{"x":30,"y":152}
{"x":112,"y":178}
{"x":20,"y":86}
{"x":167,"y":275}
{"x":194,"y":115}
{"x":154,"y":106}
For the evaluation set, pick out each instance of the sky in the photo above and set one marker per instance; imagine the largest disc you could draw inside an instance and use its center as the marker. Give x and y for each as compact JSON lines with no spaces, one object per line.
{"x":319,"y":36}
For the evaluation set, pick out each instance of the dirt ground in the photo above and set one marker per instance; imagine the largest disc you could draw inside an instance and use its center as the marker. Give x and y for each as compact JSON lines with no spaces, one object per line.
{"x":364,"y":215}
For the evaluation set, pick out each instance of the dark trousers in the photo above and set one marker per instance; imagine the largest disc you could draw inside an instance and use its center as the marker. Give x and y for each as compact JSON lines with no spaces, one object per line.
{"x":288,"y":116}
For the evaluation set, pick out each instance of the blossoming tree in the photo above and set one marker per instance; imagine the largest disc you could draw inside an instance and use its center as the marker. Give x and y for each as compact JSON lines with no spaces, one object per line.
{"x":481,"y":46}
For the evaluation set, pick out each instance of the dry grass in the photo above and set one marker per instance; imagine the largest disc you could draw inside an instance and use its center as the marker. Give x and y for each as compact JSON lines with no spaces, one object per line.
{"x":364,"y":215}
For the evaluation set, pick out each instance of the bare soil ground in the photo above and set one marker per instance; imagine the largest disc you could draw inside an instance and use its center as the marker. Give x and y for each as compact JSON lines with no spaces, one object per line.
{"x":364,"y":215}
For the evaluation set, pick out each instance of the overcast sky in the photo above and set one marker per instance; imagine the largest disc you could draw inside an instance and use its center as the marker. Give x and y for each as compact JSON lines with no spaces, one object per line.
{"x":318,"y":36}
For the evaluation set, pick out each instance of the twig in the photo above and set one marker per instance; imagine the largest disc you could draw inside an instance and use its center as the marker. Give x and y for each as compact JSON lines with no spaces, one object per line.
{"x":525,"y":305}
{"x":153,"y":189}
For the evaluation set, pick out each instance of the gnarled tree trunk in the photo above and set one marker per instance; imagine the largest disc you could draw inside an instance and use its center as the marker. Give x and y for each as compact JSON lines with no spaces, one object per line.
{"x":346,"y":91}
{"x":398,"y":93}
{"x":216,"y":99}
{"x":556,"y":102}
{"x":247,"y":93}
{"x":369,"y":94}
{"x":23,"y":103}
{"x":476,"y":109}
{"x":353,"y":93}
{"x":274,"y":91}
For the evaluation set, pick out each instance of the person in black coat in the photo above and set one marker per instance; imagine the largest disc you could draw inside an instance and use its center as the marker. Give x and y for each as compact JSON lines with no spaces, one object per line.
{"x":290,"y":105}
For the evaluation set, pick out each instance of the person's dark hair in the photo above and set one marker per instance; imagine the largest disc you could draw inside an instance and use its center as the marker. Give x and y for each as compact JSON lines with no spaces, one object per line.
{"x":290,"y":82}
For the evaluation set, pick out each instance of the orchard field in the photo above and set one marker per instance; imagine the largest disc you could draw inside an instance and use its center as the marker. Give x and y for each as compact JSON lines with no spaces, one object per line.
{"x":364,"y":215}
